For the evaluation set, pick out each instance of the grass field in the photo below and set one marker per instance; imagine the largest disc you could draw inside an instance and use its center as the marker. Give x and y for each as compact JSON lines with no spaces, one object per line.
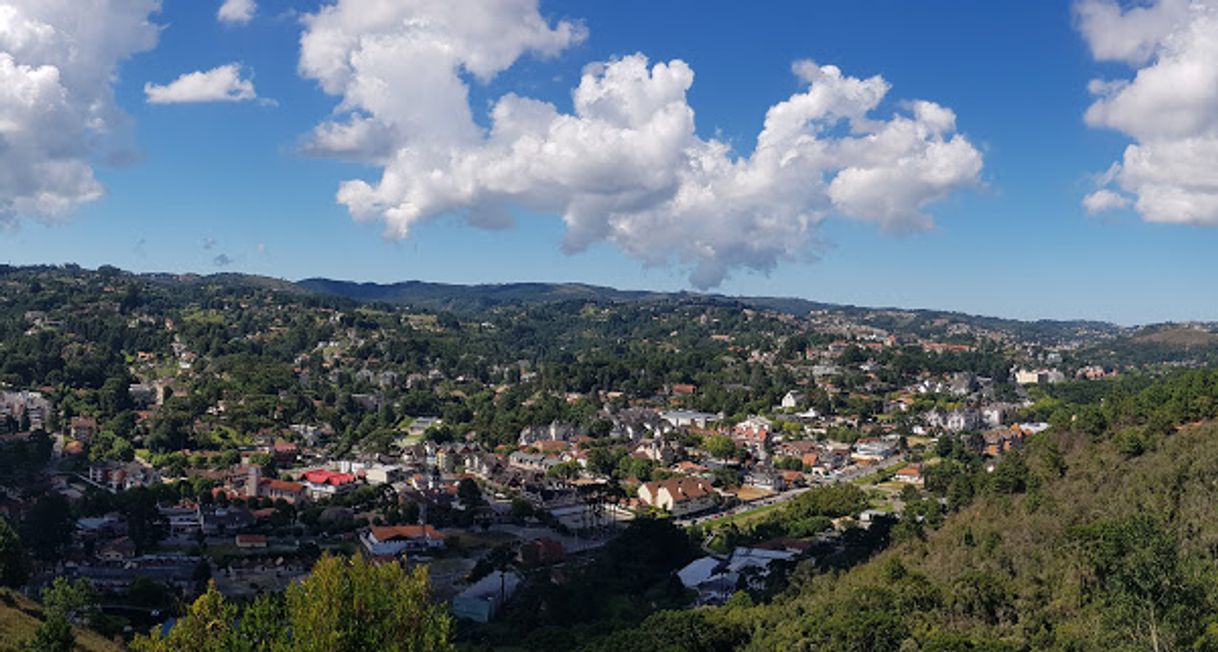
{"x":19,"y":618}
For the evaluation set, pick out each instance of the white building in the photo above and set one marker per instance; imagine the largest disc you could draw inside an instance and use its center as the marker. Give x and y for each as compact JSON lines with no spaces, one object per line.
{"x":679,"y":496}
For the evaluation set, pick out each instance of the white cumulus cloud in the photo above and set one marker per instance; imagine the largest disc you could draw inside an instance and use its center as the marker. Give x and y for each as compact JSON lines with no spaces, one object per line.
{"x":1169,"y":108}
{"x":220,"y":84}
{"x":57,"y":110}
{"x":626,"y":165}
{"x":1104,"y":200}
{"x":237,"y":12}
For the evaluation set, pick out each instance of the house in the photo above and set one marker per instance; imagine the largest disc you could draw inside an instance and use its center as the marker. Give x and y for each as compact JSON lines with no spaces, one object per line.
{"x":553,"y":432}
{"x":141,"y":394}
{"x":753,"y":433}
{"x":680,"y":496}
{"x":221,"y":520}
{"x":246,"y":541}
{"x":184,"y":521}
{"x":323,"y":483}
{"x":791,"y":400}
{"x":689,"y":418}
{"x":284,"y":453}
{"x":656,"y":450}
{"x":798,"y":448}
{"x":393,"y":540}
{"x":379,"y":474}
{"x":911,"y":474}
{"x":765,"y":478}
{"x":637,"y":423}
{"x":873,"y":449}
{"x":482,"y":600}
{"x":116,"y":550}
{"x":963,"y":420}
{"x":993,"y":415}
{"x":1038,"y":376}
{"x":533,"y":461}
{"x":1000,"y":441}
{"x":420,"y":425}
{"x":82,"y":428}
{"x":117,"y":476}
{"x":291,"y":492}
{"x":683,"y":389}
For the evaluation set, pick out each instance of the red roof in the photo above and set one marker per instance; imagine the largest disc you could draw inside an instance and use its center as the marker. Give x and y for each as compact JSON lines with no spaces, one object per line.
{"x":282,"y":485}
{"x":332,"y":478}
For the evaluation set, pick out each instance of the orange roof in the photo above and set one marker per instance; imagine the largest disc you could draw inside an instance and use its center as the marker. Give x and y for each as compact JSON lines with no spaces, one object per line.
{"x":283,"y":485}
{"x":391,"y":532}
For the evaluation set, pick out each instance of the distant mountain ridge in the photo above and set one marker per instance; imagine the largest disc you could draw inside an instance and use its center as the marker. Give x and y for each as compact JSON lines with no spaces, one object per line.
{"x":474,"y":298}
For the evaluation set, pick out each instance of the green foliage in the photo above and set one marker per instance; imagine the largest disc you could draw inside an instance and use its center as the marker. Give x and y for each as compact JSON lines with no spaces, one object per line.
{"x":344,"y":605}
{"x":52,"y":635}
{"x":13,"y":569}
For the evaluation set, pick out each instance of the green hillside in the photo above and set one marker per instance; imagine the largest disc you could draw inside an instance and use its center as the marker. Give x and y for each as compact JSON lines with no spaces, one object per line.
{"x":19,"y":617}
{"x":1108,"y":540}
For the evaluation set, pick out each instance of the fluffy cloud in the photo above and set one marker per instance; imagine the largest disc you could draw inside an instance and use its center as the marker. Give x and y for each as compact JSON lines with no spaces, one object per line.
{"x":220,"y":84}
{"x":1104,"y":200}
{"x":57,"y":110}
{"x":237,"y":12}
{"x":1169,"y":108}
{"x":626,"y":166}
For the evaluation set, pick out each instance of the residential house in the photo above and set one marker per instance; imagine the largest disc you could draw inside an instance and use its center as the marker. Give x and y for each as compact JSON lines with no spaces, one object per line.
{"x":292,"y":492}
{"x":689,"y":418}
{"x":83,"y":428}
{"x":792,"y":399}
{"x":911,"y":474}
{"x":393,"y":540}
{"x":874,"y":449}
{"x":679,"y":496}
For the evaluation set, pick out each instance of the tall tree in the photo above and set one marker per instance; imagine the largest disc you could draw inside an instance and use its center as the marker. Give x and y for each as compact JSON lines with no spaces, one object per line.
{"x":12,"y":556}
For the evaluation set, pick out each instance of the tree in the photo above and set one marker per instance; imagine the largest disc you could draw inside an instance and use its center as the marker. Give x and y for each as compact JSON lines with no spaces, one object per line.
{"x":12,"y":557}
{"x":48,"y":527}
{"x":145,"y":524}
{"x":343,"y":606}
{"x":75,"y":600}
{"x":351,"y":605}
{"x":469,"y":492}
{"x":720,"y":446}
{"x":53,"y":635}
{"x":206,"y":626}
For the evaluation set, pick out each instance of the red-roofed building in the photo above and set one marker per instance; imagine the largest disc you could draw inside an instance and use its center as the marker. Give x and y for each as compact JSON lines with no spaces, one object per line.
{"x":251,"y":540}
{"x":911,"y":474}
{"x":323,"y":483}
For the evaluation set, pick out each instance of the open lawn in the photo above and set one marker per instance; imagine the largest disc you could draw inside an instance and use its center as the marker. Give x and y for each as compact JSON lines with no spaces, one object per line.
{"x":749,"y":494}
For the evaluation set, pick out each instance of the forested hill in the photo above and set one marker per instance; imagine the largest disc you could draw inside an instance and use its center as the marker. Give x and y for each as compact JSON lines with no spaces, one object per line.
{"x":476,"y":298}
{"x":1101,"y":535}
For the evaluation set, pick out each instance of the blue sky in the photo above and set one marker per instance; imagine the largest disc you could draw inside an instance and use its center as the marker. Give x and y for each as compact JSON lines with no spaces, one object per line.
{"x":228,"y":179}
